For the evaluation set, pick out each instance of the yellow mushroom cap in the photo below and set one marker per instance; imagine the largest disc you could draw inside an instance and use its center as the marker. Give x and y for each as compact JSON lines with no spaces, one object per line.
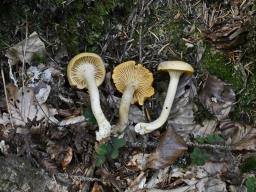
{"x":176,"y":66}
{"x":77,"y":65}
{"x":128,"y":73}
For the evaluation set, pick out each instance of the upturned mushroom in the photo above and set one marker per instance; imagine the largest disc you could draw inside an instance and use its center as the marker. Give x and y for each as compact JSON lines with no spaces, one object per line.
{"x":86,"y":70}
{"x":135,"y":82}
{"x":175,"y":69}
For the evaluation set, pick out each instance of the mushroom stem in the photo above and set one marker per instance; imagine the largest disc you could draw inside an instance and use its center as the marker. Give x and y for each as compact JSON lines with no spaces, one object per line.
{"x":126,"y":100}
{"x":144,"y":128}
{"x":103,"y":123}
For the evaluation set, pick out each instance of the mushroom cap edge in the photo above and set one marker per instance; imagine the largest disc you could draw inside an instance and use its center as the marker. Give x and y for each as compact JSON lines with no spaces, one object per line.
{"x":99,"y":66}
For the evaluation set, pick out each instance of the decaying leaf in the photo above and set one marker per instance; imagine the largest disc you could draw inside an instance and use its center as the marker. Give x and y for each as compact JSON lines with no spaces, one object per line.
{"x":97,"y":188}
{"x":67,"y":157}
{"x":182,"y":113}
{"x":217,"y":97}
{"x":3,"y":147}
{"x":227,"y":36}
{"x":23,"y":108}
{"x":39,"y":78}
{"x":171,"y":146}
{"x":139,"y":161}
{"x":160,"y":176}
{"x":32,"y":45}
{"x":241,"y":137}
{"x":211,"y":184}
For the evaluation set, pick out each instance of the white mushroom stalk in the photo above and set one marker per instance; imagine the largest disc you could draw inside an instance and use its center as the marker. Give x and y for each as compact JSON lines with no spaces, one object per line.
{"x":103,"y":123}
{"x":144,"y":128}
{"x":175,"y":69}
{"x":126,"y":101}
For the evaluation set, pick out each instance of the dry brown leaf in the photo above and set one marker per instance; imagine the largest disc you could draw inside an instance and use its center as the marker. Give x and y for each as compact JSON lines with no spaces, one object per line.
{"x":237,"y":188}
{"x":205,"y":128}
{"x":33,"y":45}
{"x":97,"y":188}
{"x":182,"y":113}
{"x":171,"y":147}
{"x":211,"y":184}
{"x":67,"y":158}
{"x":227,"y":36}
{"x":24,"y":109}
{"x":217,"y":97}
{"x":241,"y":137}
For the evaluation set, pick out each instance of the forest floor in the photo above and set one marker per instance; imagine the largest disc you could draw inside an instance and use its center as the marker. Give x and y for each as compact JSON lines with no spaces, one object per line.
{"x":48,"y":130}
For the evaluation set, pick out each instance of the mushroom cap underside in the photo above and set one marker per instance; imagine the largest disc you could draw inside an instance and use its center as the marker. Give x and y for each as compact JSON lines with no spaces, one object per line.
{"x":81,"y":62}
{"x":175,"y":66}
{"x":128,"y":73}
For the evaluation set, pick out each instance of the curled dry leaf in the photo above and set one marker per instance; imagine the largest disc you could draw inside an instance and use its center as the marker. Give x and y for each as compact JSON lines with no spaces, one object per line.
{"x":241,"y":137}
{"x":217,"y":97}
{"x":171,"y":147}
{"x":32,"y":45}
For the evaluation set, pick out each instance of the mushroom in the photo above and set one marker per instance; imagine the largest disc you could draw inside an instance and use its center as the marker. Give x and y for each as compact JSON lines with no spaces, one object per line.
{"x":175,"y":69}
{"x":135,"y":82}
{"x":87,"y":70}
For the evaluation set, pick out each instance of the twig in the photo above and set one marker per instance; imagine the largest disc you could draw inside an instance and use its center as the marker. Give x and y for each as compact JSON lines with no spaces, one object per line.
{"x":191,"y":144}
{"x":140,"y":48}
{"x":209,"y":146}
{"x":24,"y":55}
{"x":83,"y":178}
{"x":6,"y":97}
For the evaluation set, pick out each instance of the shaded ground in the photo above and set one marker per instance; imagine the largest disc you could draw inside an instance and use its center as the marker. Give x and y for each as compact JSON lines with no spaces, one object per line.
{"x":217,"y":38}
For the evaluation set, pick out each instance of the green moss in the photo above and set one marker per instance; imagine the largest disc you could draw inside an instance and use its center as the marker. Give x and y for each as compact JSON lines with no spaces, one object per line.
{"x":217,"y":63}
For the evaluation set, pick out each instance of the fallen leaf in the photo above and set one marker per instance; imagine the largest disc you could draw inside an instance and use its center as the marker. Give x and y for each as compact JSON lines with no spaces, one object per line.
{"x":226,"y":35}
{"x":97,"y":188}
{"x":182,"y":114}
{"x":24,"y":107}
{"x":171,"y":147}
{"x":3,"y":147}
{"x":237,"y":188}
{"x":67,"y":158}
{"x":211,"y":184}
{"x":32,"y":45}
{"x":217,"y":97}
{"x":207,"y":127}
{"x":139,"y":161}
{"x":240,"y":136}
{"x":159,"y":176}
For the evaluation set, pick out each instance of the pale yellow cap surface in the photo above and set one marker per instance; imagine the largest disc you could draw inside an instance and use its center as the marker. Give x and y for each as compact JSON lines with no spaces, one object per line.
{"x":137,"y":75}
{"x":175,"y":66}
{"x":78,"y":64}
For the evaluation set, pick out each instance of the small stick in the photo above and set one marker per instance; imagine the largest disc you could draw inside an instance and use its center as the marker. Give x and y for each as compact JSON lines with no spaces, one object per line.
{"x":6,"y":97}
